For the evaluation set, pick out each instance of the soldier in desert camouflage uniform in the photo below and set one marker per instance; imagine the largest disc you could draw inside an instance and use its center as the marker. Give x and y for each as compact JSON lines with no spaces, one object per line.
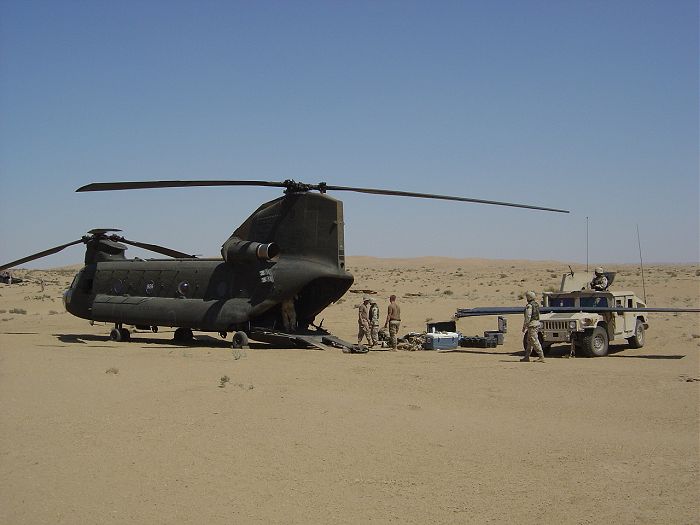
{"x":531,"y":325}
{"x":363,"y":322}
{"x":393,"y":321}
{"x":374,"y":321}
{"x":599,"y":282}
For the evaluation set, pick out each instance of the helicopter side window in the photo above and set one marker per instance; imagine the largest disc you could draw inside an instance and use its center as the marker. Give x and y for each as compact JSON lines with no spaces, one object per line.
{"x":118,"y":287}
{"x":183,"y":288}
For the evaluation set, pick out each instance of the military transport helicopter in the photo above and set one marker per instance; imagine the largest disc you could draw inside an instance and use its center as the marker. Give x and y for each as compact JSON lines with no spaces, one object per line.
{"x":289,"y":252}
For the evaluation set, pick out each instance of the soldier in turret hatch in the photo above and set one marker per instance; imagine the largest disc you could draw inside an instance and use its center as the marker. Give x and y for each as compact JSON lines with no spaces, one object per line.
{"x":599,"y":282}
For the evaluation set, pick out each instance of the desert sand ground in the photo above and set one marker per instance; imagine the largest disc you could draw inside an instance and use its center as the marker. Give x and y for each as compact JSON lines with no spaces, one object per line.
{"x":94,"y":431}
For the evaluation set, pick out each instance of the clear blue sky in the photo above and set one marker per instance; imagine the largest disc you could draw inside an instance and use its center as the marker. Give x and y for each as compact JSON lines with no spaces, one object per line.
{"x":590,"y":106}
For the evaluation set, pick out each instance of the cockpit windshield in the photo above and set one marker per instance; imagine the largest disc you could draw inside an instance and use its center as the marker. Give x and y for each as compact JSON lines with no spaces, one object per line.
{"x":76,"y":279}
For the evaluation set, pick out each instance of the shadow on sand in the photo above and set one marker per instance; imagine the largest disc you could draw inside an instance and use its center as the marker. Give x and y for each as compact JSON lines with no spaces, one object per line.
{"x":562,"y":352}
{"x":199,"y":341}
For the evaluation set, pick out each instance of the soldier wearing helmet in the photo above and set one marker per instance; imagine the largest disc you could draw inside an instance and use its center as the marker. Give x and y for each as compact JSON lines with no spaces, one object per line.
{"x":363,"y":322}
{"x":531,"y":326}
{"x":374,"y":321}
{"x":599,"y":282}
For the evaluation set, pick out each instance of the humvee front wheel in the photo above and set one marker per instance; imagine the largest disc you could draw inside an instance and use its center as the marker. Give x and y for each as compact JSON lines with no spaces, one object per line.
{"x":595,"y":343}
{"x":637,"y":340}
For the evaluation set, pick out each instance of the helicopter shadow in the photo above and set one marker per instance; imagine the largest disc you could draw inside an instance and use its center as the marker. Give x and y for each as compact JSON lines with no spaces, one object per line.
{"x":200,"y":341}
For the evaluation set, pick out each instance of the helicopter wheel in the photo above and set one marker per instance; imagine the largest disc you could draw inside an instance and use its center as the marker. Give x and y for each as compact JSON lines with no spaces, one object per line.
{"x":240,"y":340}
{"x":119,"y":335}
{"x":183,"y":335}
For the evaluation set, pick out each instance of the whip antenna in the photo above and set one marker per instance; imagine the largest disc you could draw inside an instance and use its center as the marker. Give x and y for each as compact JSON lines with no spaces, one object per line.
{"x":641,"y":264}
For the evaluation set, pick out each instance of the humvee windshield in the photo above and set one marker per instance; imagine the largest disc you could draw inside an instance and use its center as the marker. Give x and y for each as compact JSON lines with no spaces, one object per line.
{"x":594,"y":301}
{"x":562,"y":301}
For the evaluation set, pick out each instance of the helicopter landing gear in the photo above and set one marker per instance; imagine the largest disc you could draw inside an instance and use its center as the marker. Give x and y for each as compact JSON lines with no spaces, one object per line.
{"x":119,"y":334}
{"x":183,"y":335}
{"x":240,"y":340}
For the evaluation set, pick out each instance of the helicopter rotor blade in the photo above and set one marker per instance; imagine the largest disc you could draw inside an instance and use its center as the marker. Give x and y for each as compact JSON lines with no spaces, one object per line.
{"x":292,"y":186}
{"x":39,"y":255}
{"x":154,"y":248}
{"x":141,"y":185}
{"x":440,"y":197}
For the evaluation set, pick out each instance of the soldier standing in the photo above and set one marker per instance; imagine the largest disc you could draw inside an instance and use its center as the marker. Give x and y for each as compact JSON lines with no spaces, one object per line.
{"x":363,"y":322}
{"x":599,"y":282}
{"x":531,"y":325}
{"x":289,"y":316}
{"x":374,"y":321}
{"x":393,"y":321}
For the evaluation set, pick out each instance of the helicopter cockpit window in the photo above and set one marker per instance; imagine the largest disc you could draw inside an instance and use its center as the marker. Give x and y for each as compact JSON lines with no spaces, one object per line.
{"x":150,"y":287}
{"x":76,"y":279}
{"x":183,"y":288}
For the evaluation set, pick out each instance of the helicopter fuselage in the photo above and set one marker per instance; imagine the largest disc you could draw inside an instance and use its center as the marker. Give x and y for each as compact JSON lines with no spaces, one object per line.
{"x":204,"y":294}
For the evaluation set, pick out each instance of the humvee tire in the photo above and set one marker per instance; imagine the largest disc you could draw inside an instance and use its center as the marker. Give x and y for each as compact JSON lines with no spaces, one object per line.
{"x":595,"y":342}
{"x":637,"y":340}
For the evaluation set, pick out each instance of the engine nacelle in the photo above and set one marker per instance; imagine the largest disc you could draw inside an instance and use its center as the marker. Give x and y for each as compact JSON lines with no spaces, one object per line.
{"x":238,"y":250}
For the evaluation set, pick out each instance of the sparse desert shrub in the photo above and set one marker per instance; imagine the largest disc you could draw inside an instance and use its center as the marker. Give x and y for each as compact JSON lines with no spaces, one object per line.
{"x":20,"y":311}
{"x":3,"y":311}
{"x":448,"y":292}
{"x":223,"y":381}
{"x":53,"y":312}
{"x":112,"y":370}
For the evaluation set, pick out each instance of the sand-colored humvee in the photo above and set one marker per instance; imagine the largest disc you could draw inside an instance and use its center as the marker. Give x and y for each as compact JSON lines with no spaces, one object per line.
{"x":591,"y":331}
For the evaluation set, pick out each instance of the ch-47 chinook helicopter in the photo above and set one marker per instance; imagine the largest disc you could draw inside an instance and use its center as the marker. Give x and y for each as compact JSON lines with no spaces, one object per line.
{"x":290,"y":251}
